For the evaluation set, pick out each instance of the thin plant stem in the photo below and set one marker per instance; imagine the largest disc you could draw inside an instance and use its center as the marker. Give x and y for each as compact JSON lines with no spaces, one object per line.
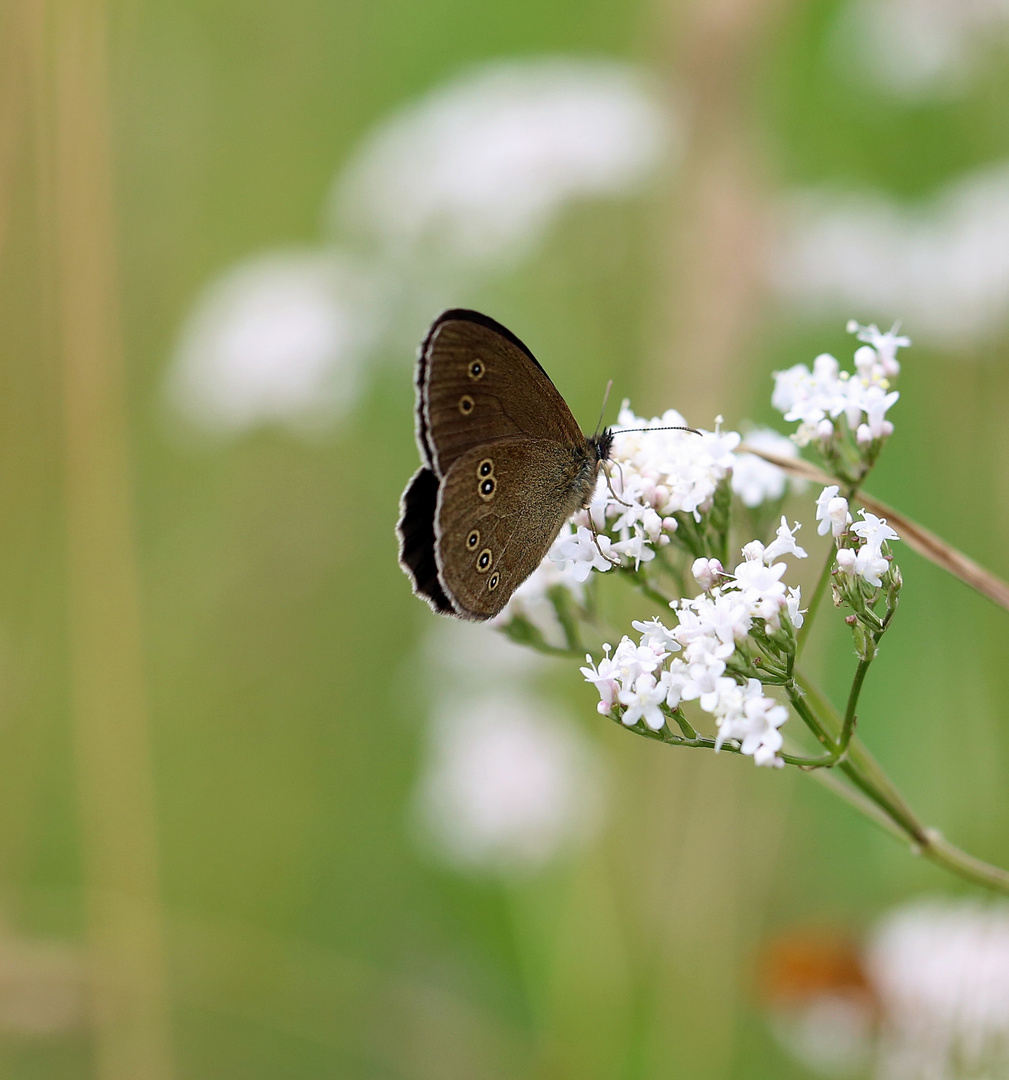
{"x":706,"y":742}
{"x":871,"y":791}
{"x":848,"y":725}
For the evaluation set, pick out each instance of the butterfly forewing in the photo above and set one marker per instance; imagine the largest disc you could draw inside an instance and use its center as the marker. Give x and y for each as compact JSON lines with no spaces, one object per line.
{"x":500,"y":506}
{"x":477,"y":382}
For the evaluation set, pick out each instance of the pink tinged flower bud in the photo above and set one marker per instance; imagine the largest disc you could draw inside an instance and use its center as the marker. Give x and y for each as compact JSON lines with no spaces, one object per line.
{"x":825,"y":430}
{"x":707,"y":572}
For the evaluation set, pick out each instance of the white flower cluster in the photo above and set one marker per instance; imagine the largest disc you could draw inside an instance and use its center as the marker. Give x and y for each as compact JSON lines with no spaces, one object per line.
{"x":866,"y":561}
{"x":654,"y":474}
{"x":641,"y":678}
{"x":818,"y":398}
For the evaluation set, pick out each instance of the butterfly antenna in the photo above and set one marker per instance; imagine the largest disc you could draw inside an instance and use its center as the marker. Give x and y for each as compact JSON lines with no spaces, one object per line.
{"x":602,"y":412}
{"x":678,"y":427}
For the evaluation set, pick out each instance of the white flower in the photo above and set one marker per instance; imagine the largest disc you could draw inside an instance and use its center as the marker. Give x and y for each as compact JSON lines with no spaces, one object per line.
{"x":864,"y":563}
{"x":874,"y":531}
{"x":744,"y":714}
{"x":701,"y":683}
{"x":582,"y":553}
{"x":642,"y":702}
{"x":631,"y":660}
{"x":670,"y":471}
{"x":653,"y":475}
{"x":712,"y":624}
{"x":756,"y":481}
{"x":604,"y":678}
{"x":817,"y":398}
{"x":507,"y":784}
{"x":677,"y":678}
{"x":784,"y":544}
{"x":793,"y":598}
{"x":831,"y":512}
{"x":655,"y":636}
{"x":875,"y":402}
{"x":757,"y":581}
{"x":813,"y":395}
{"x":636,"y":548}
{"x":885,"y":345}
{"x":707,"y":573}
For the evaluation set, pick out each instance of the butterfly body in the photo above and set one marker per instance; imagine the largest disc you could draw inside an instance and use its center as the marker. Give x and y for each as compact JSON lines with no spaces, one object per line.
{"x":504,"y":466}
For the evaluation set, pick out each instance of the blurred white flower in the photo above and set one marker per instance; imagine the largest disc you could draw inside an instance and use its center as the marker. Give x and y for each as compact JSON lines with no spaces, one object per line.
{"x":944,"y":265}
{"x":926,"y":997}
{"x":915,"y":49}
{"x":474,"y":170}
{"x":755,"y":480}
{"x":830,"y":1033}
{"x":507,"y":784}
{"x":278,"y":339}
{"x":941,"y":973}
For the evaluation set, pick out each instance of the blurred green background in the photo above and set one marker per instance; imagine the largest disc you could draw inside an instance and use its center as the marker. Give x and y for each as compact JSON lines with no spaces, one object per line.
{"x":214,"y":695}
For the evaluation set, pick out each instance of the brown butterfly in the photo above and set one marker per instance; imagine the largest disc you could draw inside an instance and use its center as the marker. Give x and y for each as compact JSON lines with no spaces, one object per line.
{"x":504,"y":466}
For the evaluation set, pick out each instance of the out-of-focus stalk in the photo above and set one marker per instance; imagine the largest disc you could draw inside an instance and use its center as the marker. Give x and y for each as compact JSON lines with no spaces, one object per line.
{"x":109,"y":710}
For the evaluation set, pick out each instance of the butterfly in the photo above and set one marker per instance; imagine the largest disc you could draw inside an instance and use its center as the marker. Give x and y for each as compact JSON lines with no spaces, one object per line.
{"x":504,"y":465}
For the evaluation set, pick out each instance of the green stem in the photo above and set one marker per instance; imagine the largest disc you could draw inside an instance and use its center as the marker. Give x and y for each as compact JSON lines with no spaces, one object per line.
{"x":684,"y":725}
{"x":949,"y":857}
{"x":561,"y":600}
{"x":848,"y":725}
{"x":869,"y":778}
{"x":705,"y":742}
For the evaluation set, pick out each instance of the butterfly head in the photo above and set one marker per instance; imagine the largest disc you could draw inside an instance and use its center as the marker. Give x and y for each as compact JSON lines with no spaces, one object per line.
{"x":602,"y":444}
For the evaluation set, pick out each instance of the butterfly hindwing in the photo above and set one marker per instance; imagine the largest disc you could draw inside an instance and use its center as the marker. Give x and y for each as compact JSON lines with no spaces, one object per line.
{"x":500,"y":506}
